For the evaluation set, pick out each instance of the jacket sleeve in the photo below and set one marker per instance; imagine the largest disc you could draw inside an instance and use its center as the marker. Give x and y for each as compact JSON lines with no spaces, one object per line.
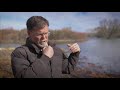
{"x":73,"y":59}
{"x":22,"y":68}
{"x":70,"y":62}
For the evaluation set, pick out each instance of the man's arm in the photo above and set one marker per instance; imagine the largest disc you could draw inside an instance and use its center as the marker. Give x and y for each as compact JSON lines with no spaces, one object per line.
{"x":73,"y":59}
{"x":22,"y":68}
{"x":70,"y":62}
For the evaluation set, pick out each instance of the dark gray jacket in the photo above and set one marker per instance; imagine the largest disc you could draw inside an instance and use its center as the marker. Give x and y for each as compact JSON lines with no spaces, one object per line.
{"x":28,"y":62}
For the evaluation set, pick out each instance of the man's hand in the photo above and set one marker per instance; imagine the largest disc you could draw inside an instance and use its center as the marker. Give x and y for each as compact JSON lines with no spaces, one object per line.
{"x":48,"y":51}
{"x":74,"y":47}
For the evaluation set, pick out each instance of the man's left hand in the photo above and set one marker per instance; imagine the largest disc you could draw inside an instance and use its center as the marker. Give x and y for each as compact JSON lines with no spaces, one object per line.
{"x":74,"y":47}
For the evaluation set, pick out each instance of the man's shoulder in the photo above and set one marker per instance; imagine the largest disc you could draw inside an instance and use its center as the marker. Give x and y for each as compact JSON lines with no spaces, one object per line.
{"x":19,"y":52}
{"x":20,"y":49}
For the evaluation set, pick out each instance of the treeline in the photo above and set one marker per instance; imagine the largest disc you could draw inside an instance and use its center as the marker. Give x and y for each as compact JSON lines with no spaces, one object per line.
{"x":10,"y":35}
{"x":66,"y":34}
{"x":108,"y":29}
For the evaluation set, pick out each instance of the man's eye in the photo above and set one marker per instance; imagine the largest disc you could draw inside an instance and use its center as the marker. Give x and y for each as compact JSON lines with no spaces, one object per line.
{"x":38,"y":34}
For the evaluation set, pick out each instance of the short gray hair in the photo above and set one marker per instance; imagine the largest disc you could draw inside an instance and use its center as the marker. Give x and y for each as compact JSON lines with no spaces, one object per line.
{"x":36,"y":22}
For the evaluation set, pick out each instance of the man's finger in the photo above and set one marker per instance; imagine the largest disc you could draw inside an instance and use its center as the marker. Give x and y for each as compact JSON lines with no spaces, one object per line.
{"x":74,"y":46}
{"x":68,"y":45}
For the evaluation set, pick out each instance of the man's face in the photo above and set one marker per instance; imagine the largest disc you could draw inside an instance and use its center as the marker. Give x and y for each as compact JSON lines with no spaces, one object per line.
{"x":39,"y":36}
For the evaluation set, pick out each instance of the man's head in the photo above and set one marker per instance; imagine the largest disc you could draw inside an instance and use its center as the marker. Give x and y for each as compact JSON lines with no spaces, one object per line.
{"x":37,"y":28}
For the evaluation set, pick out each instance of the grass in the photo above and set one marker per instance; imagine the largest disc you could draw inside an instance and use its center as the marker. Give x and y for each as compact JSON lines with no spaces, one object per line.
{"x":85,"y":73}
{"x":5,"y":64}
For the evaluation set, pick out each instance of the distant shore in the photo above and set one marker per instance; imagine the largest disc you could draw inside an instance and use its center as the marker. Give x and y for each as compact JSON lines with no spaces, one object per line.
{"x":68,"y":41}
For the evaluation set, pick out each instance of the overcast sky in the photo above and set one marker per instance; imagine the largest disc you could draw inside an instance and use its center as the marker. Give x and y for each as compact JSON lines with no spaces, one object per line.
{"x":78,"y":21}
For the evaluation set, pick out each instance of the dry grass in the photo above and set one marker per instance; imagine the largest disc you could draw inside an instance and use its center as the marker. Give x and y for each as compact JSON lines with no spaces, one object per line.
{"x":83,"y":73}
{"x":5,"y":64}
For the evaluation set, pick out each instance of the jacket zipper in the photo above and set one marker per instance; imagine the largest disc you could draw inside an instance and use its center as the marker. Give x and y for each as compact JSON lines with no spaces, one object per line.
{"x":51,"y":69}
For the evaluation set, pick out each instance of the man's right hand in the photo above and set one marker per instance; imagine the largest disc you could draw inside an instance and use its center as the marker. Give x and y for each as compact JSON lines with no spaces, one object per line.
{"x":48,"y":51}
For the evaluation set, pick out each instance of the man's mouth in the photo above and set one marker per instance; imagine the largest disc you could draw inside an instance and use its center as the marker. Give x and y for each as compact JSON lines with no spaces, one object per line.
{"x":43,"y":44}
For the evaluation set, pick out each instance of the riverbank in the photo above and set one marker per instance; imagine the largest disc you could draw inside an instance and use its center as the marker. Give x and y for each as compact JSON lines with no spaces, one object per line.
{"x":5,"y":63}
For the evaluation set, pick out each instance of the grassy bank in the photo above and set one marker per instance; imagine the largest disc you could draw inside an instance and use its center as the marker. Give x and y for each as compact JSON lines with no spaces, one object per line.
{"x":5,"y":64}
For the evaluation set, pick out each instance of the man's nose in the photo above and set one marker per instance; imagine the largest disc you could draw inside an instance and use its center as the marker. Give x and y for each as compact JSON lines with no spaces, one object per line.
{"x":43,"y":35}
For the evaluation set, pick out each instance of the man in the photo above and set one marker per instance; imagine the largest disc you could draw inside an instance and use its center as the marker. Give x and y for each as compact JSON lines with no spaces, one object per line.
{"x":39,"y":58}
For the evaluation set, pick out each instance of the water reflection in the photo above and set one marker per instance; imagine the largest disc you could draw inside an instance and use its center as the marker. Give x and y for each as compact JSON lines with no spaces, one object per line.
{"x":9,"y":45}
